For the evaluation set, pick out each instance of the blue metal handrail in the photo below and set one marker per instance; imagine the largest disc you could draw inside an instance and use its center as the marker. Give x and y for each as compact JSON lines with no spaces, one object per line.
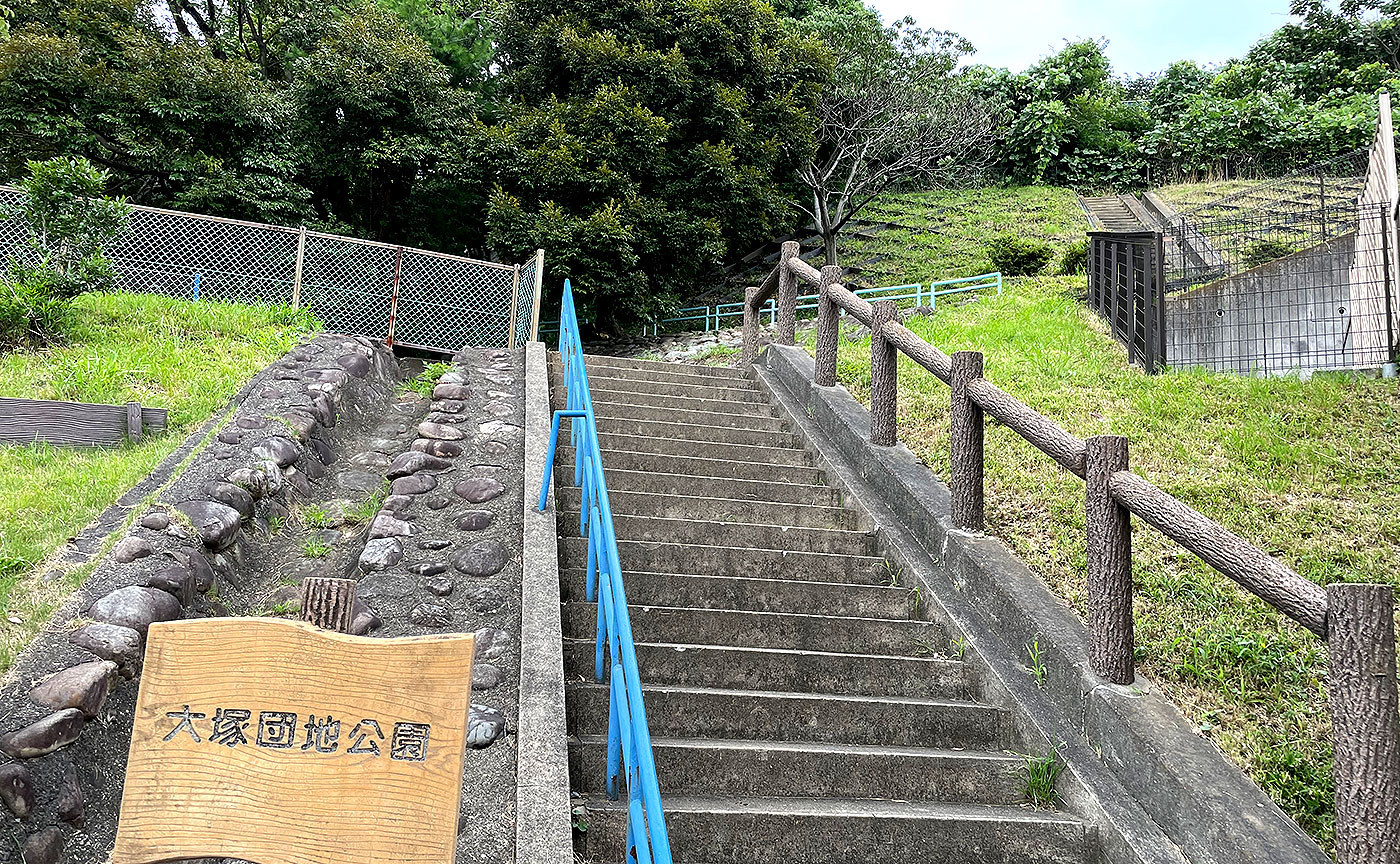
{"x":629,"y":741}
{"x":917,"y":292}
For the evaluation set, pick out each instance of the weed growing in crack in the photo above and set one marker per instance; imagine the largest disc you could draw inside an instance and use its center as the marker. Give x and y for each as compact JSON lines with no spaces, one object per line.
{"x":314,"y":515}
{"x":314,"y":548}
{"x":1041,"y":774}
{"x":1037,"y":666}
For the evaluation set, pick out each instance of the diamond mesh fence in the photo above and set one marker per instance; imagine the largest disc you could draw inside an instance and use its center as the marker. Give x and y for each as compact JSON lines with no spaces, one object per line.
{"x":421,"y":298}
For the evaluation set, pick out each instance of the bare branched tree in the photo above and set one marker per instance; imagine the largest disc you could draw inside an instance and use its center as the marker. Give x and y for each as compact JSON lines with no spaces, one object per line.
{"x":894,"y":111}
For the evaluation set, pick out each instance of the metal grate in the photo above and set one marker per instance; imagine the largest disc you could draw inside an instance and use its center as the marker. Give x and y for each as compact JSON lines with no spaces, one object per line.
{"x":422,"y":298}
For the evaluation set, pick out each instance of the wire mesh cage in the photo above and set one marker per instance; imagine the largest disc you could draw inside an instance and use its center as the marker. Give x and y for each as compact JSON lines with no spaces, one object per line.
{"x":428,"y":299}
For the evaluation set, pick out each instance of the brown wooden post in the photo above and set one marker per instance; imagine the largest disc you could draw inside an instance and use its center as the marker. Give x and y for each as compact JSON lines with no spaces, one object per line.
{"x":1365,"y":722}
{"x":787,"y":295}
{"x":133,"y":422}
{"x":966,"y":444}
{"x":751,"y":327}
{"x":828,"y":328}
{"x":328,"y":603}
{"x":1109,"y":547}
{"x":884,"y":384}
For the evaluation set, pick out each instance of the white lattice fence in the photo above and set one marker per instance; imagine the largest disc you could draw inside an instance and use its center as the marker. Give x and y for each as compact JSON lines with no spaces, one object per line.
{"x":413,"y":296}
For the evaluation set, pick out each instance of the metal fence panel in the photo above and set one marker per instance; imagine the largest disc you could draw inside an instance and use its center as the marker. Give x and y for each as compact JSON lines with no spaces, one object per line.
{"x":1126,"y":289}
{"x":427,"y":299}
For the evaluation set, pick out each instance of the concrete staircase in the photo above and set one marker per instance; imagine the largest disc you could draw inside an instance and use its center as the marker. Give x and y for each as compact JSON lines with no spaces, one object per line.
{"x":800,"y":709}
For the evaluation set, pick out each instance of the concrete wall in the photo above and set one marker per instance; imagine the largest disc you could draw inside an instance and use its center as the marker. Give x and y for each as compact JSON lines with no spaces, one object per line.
{"x":1290,"y":314}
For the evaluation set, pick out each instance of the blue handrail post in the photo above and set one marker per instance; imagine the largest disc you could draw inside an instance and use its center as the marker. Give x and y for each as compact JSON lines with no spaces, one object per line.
{"x":614,"y":732}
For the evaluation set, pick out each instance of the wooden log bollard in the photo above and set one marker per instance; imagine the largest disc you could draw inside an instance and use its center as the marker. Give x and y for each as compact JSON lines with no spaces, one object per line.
{"x":966,"y":444}
{"x":787,"y":295}
{"x":1361,"y":686}
{"x":1109,"y":548}
{"x":328,"y":603}
{"x":884,"y":383}
{"x":828,"y":328}
{"x":751,"y":327}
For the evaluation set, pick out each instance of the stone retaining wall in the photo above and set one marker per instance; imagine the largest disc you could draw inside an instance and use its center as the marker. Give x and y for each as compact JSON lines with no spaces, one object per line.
{"x":325,"y":468}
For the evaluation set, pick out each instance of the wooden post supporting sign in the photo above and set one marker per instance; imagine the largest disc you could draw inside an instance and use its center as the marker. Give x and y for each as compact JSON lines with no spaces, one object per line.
{"x":275,"y":741}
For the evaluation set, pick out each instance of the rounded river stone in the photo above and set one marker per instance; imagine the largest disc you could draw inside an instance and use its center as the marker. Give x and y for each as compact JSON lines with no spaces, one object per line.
{"x":440,"y":431}
{"x":136,"y":607}
{"x":495,"y":448}
{"x":356,"y":364}
{"x":434,"y":447}
{"x":484,"y":598}
{"x":283,"y":451}
{"x":17,"y":788}
{"x":486,"y":558}
{"x":84,"y":687}
{"x":484,"y":725}
{"x":479,"y":490}
{"x":438,"y":584}
{"x":109,"y":641}
{"x":485,"y":677}
{"x":413,"y":461}
{"x":156,"y":520}
{"x":414,"y":484}
{"x":492,"y":643}
{"x":128,"y":549}
{"x":430,"y":615}
{"x":475,"y":520}
{"x":44,"y":736}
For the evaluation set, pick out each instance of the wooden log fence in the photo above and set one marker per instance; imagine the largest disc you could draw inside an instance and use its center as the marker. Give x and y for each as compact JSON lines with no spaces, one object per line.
{"x":1356,"y":620}
{"x":76,"y":424}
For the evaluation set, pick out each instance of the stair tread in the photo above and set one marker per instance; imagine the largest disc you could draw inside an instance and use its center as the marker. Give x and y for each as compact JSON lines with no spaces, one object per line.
{"x":808,"y":583}
{"x":739,"y":449}
{"x":737,"y":526}
{"x":702,"y":610}
{"x":839,"y":808}
{"x":786,"y":694}
{"x":802,"y":652}
{"x":760,"y":744}
{"x":783,"y":552}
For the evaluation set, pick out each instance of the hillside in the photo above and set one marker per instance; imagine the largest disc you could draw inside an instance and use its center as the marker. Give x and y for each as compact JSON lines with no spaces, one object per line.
{"x":1304,"y":469}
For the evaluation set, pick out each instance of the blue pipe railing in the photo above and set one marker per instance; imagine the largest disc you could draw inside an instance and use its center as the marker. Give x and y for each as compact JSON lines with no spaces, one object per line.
{"x":629,"y":741}
{"x":918,"y":292}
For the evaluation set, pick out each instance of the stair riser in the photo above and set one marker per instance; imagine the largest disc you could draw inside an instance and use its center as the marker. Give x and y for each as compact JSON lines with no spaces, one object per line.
{"x":653,"y":371}
{"x":683,"y":714}
{"x":730,"y":561}
{"x":722,"y":418}
{"x":753,"y":595}
{"x":718,"y":403}
{"x":692,"y":432}
{"x":825,"y":540}
{"x":789,"y":672}
{"x":715,"y":771}
{"x":705,"y":450}
{"x":769,"y":839}
{"x":753,"y":630}
{"x":663,"y":506}
{"x":776,"y":494}
{"x":622,"y":460}
{"x":732,"y":391}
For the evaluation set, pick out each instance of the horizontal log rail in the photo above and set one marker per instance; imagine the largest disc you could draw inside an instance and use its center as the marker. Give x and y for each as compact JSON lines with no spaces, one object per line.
{"x":1357,"y":620}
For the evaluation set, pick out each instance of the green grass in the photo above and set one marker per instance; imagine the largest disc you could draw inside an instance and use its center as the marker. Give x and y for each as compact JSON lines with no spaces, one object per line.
{"x":184,"y":357}
{"x":1184,"y":196}
{"x":1303,"y":469}
{"x":944,"y":232}
{"x":426,"y":380}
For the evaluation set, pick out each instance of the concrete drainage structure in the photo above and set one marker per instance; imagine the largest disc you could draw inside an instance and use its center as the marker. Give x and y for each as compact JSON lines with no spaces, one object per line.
{"x":323,"y":466}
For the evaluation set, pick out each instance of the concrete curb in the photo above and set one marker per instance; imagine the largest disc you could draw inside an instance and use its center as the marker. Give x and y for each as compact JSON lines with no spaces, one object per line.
{"x":1156,"y":791}
{"x":543,"y":831}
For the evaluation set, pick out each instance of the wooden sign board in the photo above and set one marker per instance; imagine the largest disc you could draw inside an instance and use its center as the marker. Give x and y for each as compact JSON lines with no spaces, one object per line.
{"x":280,"y":743}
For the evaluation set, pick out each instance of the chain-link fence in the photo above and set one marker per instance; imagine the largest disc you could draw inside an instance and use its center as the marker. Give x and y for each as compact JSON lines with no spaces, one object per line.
{"x":408,"y":296}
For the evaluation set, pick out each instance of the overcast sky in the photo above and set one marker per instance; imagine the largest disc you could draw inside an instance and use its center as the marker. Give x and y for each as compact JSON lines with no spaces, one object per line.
{"x":1143,"y":37}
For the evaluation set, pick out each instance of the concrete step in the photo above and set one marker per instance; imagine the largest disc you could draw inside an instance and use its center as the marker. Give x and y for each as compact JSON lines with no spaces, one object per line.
{"x":670,"y":483}
{"x":754,"y":536}
{"x":723,"y":417}
{"x":672,"y":401}
{"x":726,"y":768}
{"x":628,"y":461}
{"x":663,"y":505}
{"x":753,"y":595}
{"x":675,"y":428}
{"x":725,"y":667}
{"x":784,"y":630}
{"x":658,"y":370}
{"x":705,"y":449}
{"x":735,"y":390}
{"x":702,"y":712}
{"x":706,"y":830}
{"x":733,"y":561}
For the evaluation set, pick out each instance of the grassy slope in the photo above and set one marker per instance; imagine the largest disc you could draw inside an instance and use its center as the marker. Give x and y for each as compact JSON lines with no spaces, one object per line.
{"x":1305,"y":470}
{"x":188,"y":358}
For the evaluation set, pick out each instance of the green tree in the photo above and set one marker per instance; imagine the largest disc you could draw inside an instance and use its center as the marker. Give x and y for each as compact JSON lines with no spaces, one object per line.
{"x":71,"y":222}
{"x":642,"y":143}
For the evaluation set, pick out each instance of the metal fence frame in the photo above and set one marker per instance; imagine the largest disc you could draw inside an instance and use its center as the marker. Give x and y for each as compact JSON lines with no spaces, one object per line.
{"x":407,"y":296}
{"x":1127,"y":290}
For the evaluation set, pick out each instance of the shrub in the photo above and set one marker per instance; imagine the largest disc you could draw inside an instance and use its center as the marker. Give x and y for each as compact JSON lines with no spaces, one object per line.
{"x":70,"y":223}
{"x":1019,"y":256}
{"x":32,"y":309}
{"x":1265,"y":251}
{"x":1074,"y":258}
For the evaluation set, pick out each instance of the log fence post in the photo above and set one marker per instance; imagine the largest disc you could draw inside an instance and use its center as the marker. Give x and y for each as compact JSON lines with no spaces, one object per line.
{"x":787,"y":296}
{"x":1109,"y":550}
{"x":884,"y":383}
{"x":751,"y":327}
{"x":328,"y":603}
{"x":1361,"y":686}
{"x":966,"y":444}
{"x":828,"y":328}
